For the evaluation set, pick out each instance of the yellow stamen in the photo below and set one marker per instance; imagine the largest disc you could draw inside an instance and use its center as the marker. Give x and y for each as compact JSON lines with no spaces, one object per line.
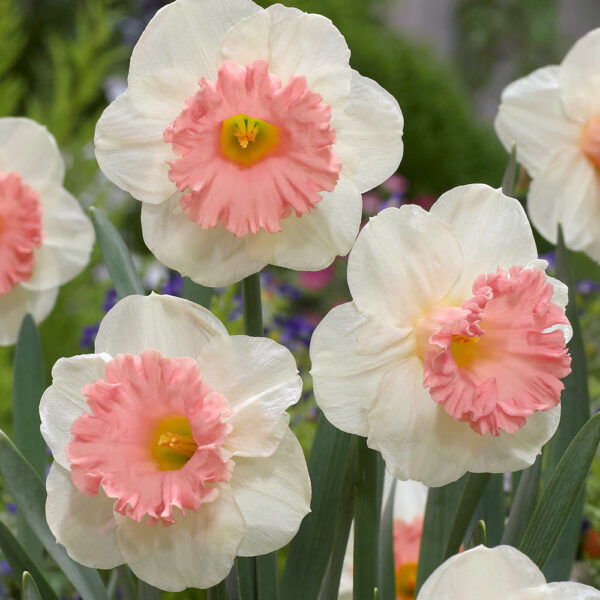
{"x":464,"y":349}
{"x":406,"y":581}
{"x":246,"y":140}
{"x":182,"y":444}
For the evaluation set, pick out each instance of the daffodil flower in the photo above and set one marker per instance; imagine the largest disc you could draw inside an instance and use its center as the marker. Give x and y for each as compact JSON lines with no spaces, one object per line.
{"x":45,"y":237}
{"x":553,"y":117}
{"x":171,"y":446}
{"x":451,"y":355}
{"x":248,"y":138}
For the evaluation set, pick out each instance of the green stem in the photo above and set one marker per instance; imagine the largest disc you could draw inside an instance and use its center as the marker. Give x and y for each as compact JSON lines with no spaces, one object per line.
{"x":366,"y":524}
{"x":253,"y":324}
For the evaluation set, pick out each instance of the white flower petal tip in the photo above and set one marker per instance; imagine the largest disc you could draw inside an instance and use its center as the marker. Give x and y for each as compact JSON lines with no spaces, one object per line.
{"x":552,"y":117}
{"x":500,"y":573}
{"x":408,"y":363}
{"x":273,"y":171}
{"x":173,"y":443}
{"x":45,"y":237}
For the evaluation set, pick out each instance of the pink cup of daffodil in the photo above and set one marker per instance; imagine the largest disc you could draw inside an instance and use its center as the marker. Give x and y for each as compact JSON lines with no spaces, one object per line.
{"x":172,"y":451}
{"x":450,"y":357}
{"x":500,"y":573}
{"x":45,"y":237}
{"x":248,"y":138}
{"x":553,"y":117}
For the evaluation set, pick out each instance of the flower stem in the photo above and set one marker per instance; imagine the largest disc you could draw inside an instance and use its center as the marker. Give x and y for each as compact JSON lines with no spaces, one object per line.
{"x":251,"y":299}
{"x":366,"y":524}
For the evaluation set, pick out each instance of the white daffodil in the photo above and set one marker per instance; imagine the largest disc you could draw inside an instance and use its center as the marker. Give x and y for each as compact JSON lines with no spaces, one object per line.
{"x":171,"y":446}
{"x":248,"y":138}
{"x":409,"y":511}
{"x":500,"y":573}
{"x":45,"y":237}
{"x":553,"y":118}
{"x":449,"y":358}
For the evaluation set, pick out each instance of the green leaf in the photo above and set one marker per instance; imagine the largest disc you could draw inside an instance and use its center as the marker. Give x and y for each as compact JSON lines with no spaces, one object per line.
{"x":509,"y":179}
{"x":440,"y":509}
{"x":309,"y":550}
{"x":246,"y":571}
{"x":561,"y":493}
{"x":251,"y":298}
{"x":29,"y":382}
{"x":474,"y":488}
{"x":217,"y":592}
{"x":126,"y":583}
{"x":523,"y":504}
{"x":366,"y":523}
{"x":197,"y":293}
{"x":30,"y":590}
{"x":343,"y":521}
{"x":19,"y":561}
{"x":575,"y":411}
{"x":491,"y":509}
{"x":147,"y":592}
{"x":116,"y":256}
{"x":387,"y":569}
{"x":29,"y":494}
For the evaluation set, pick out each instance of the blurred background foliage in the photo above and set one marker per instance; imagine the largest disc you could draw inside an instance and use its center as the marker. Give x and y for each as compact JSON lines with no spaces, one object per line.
{"x":63,"y":61}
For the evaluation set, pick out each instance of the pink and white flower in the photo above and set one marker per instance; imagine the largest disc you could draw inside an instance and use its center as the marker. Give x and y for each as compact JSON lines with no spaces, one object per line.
{"x":553,"y":117}
{"x":500,"y":573}
{"x":171,"y":446}
{"x":248,"y":138}
{"x":45,"y":237}
{"x":449,"y":358}
{"x":409,"y":512}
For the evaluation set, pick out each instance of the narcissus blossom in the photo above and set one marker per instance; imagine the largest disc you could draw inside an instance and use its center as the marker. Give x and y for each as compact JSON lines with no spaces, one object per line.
{"x":171,"y":446}
{"x":409,"y":511}
{"x":451,"y":355}
{"x":500,"y":573}
{"x":248,"y":138}
{"x":553,"y":118}
{"x":45,"y":238}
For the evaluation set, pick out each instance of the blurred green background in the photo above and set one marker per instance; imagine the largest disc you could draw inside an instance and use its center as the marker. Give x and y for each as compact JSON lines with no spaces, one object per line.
{"x":63,"y":61}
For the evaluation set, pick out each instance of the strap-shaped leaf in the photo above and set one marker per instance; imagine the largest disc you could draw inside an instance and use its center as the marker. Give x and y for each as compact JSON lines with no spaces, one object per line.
{"x":147,"y":592}
{"x":561,"y":493}
{"x":309,"y":550}
{"x":29,"y":494}
{"x":19,"y":561}
{"x":575,"y":411}
{"x":197,"y":293}
{"x":30,"y":589}
{"x":29,"y":382}
{"x":116,"y":256}
{"x":387,"y":575}
{"x":491,"y":510}
{"x":440,"y":509}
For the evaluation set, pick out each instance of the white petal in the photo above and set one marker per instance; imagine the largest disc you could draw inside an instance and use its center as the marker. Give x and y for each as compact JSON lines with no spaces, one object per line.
{"x":67,"y":243}
{"x":416,"y":437}
{"x":409,"y":500}
{"x":63,"y":401}
{"x":566,"y":590}
{"x":403,"y":262}
{"x":260,"y":380}
{"x":567,"y":191}
{"x":294,"y":43}
{"x":213,"y":257}
{"x":532,"y":117}
{"x":350,"y":354}
{"x":187,"y":35}
{"x":29,"y":149}
{"x":515,"y":451}
{"x":492,"y":229}
{"x":273,"y":494}
{"x":130,"y":148}
{"x":84,"y":525}
{"x":369,"y":133}
{"x":312,"y":241}
{"x":16,"y":304}
{"x":174,"y":326}
{"x":579,"y":78}
{"x":197,"y":551}
{"x":482,"y":572}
